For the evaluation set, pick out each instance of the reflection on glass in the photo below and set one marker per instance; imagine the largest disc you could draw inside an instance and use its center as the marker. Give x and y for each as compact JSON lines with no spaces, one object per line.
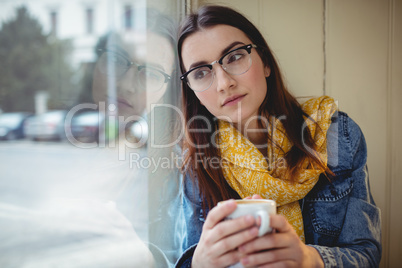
{"x":92,"y":180}
{"x":136,"y":67}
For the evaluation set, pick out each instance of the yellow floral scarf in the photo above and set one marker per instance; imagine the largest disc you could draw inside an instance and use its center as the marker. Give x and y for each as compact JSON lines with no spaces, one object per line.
{"x":248,"y":172}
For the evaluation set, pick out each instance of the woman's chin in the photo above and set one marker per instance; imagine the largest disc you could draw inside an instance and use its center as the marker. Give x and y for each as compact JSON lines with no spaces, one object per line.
{"x":130,"y":113}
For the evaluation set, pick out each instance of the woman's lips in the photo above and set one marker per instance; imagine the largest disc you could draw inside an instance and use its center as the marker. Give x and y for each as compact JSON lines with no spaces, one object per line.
{"x":233,"y":100}
{"x":120,"y":102}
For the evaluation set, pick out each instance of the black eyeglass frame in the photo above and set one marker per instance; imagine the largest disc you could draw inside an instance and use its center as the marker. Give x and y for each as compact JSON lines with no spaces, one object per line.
{"x":220,"y":61}
{"x":139,"y":67}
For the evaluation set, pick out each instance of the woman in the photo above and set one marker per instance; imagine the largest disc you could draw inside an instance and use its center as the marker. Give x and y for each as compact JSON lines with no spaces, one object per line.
{"x":247,"y":136}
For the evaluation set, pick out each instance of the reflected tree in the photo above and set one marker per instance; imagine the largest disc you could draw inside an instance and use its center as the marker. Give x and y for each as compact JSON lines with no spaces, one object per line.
{"x":32,"y":62}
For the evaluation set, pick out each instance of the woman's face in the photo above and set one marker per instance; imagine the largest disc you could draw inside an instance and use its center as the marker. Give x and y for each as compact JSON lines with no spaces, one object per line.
{"x":134,"y":89}
{"x":235,"y":98}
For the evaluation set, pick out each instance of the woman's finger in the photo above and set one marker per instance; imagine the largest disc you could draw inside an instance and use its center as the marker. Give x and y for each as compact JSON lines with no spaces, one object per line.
{"x":227,"y":259}
{"x":279,"y":223}
{"x":227,"y":228}
{"x":282,"y":264}
{"x":266,"y":257}
{"x":283,"y":236}
{"x":267,"y":242}
{"x":218,"y":213}
{"x":234,"y":241}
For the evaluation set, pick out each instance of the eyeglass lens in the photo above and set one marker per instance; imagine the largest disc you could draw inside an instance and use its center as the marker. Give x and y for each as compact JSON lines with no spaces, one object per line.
{"x":237,"y":62}
{"x":113,"y":64}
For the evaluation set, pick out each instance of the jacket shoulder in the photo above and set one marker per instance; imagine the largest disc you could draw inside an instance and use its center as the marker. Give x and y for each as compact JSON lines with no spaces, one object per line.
{"x":344,"y":141}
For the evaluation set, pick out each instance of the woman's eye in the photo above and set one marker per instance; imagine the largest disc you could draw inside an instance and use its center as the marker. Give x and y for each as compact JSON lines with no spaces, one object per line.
{"x":236,"y":56}
{"x":113,"y":58}
{"x":200,"y":74}
{"x":151,"y":74}
{"x":116,"y":59}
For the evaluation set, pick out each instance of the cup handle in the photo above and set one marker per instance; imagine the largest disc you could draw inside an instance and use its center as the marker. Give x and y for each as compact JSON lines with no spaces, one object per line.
{"x":264,"y":227}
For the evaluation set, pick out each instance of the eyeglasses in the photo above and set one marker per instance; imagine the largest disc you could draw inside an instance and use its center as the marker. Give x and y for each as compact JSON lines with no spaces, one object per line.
{"x":112,"y":63}
{"x":235,"y":62}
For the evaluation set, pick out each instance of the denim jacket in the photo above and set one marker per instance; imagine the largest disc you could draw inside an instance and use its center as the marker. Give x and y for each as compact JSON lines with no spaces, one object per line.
{"x":340,"y":217}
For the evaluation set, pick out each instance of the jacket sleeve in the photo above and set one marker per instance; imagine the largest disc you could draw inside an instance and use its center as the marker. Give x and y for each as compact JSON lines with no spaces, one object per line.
{"x":358,"y":243}
{"x":194,"y":220}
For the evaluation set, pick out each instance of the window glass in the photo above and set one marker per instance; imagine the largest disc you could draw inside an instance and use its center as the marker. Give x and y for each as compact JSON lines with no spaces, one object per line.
{"x":90,"y":20}
{"x":53,"y":22}
{"x":90,"y":130}
{"x":128,"y":17}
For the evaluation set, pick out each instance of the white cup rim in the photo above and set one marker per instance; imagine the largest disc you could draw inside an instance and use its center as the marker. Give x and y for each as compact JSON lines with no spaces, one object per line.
{"x":251,"y":201}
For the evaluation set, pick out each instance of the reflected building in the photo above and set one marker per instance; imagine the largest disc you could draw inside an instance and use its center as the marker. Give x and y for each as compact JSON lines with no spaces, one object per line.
{"x":83,"y":22}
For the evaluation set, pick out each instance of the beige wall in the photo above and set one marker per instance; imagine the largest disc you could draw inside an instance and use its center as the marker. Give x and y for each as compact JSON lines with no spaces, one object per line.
{"x":352,"y":51}
{"x":394,"y":124}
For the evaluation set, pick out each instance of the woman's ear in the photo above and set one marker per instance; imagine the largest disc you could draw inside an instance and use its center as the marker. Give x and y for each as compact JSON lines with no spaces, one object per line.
{"x":267,"y":71}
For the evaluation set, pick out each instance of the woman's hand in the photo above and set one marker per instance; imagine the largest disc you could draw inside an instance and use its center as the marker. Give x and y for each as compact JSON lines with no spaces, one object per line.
{"x":283,"y":248}
{"x":220,"y":239}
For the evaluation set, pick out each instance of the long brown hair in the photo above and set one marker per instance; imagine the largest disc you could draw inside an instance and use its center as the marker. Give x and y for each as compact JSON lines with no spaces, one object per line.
{"x":278,"y":102}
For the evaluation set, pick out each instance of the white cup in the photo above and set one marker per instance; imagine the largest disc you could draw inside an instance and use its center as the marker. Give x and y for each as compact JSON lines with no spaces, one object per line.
{"x":258,"y":208}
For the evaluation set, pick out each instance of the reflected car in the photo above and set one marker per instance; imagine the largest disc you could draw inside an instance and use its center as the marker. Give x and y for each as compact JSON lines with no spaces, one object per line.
{"x":46,"y":126}
{"x":12,"y":125}
{"x":85,"y":126}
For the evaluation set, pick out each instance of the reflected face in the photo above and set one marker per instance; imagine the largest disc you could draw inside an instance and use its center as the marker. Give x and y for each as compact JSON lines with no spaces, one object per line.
{"x":235,"y":98}
{"x":133,"y":72}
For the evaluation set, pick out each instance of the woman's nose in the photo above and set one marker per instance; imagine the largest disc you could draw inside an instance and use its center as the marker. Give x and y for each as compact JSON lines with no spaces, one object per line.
{"x":224,"y":80}
{"x":128,"y":81}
